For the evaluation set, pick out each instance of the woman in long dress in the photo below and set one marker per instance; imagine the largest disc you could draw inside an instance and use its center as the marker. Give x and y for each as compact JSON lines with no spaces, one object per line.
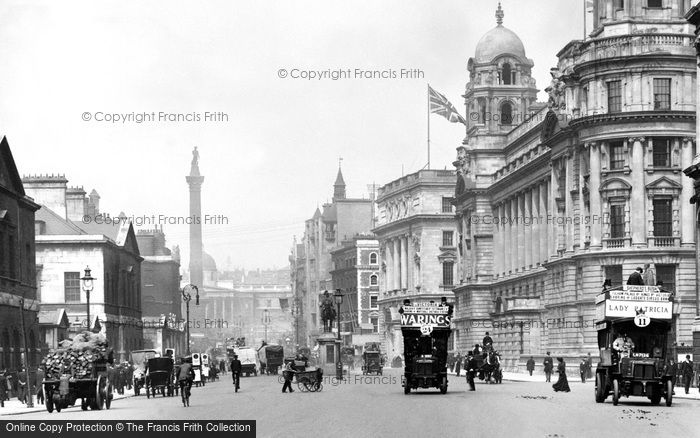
{"x":563,"y":383}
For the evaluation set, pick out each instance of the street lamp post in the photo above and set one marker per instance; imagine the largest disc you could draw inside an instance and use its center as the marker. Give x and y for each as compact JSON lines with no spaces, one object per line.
{"x":27,"y":361}
{"x":339,"y":363}
{"x":187,"y":297}
{"x":87,"y":287}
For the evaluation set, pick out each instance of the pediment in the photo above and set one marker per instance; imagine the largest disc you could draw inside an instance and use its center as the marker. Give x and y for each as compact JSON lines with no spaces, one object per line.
{"x":615,"y":184}
{"x":663,"y":183}
{"x":9,"y":176}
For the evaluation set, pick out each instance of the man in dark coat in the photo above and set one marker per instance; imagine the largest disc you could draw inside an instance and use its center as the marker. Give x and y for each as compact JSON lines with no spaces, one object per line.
{"x":687,"y":372}
{"x":236,"y":368}
{"x":39,"y":385}
{"x":530,"y":365}
{"x":458,"y":364}
{"x":3,"y":388}
{"x":487,"y":340}
{"x":583,"y":370}
{"x":636,"y":279}
{"x":288,"y":374}
{"x":470,"y":367}
{"x":22,"y":393}
{"x":548,"y":367}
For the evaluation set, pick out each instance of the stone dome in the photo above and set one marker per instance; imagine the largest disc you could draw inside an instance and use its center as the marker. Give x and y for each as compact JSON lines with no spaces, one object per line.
{"x":499,"y":41}
{"x":208,"y":263}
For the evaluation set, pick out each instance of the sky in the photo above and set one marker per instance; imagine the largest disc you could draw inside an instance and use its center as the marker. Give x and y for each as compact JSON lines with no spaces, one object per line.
{"x":68,"y":66}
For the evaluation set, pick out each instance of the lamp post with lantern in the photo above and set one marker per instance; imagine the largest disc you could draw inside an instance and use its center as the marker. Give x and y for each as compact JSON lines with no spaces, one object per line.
{"x":187,"y":297}
{"x":339,"y":363}
{"x":87,"y":287}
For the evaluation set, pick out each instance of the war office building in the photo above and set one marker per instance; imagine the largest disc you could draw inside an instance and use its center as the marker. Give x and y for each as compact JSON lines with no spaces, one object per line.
{"x":553,"y":198}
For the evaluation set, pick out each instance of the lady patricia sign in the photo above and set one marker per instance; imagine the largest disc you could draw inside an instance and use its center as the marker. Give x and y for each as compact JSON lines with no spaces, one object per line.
{"x":632,"y":301}
{"x":425,"y":316}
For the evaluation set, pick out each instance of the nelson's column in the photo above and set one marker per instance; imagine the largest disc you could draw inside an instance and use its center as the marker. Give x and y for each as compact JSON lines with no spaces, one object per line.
{"x":195,"y":180}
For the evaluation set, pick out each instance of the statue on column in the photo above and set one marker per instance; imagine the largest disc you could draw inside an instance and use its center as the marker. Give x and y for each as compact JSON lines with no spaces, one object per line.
{"x":328,"y":313}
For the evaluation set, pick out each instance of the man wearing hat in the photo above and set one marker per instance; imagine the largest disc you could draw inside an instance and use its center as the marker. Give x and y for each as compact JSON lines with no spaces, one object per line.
{"x":548,"y":367}
{"x":236,"y":369}
{"x":687,"y":372}
{"x":470,"y":366}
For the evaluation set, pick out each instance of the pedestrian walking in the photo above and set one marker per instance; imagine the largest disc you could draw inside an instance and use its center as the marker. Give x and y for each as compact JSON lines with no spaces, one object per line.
{"x":3,"y":388}
{"x":458,"y":364}
{"x":563,"y":383}
{"x":288,"y":374}
{"x":583,"y":369}
{"x":530,"y":365}
{"x":548,"y":367}
{"x":39,"y":385}
{"x":22,"y":386}
{"x":236,"y":368}
{"x":635,"y":278}
{"x":687,"y":372}
{"x":589,"y":367}
{"x":470,"y":368}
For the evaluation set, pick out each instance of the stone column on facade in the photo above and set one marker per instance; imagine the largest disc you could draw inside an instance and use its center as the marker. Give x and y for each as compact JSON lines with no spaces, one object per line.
{"x":404,"y":262}
{"x":637,"y":198}
{"x":569,"y":203}
{"x":411,"y":251}
{"x":513,"y":233}
{"x":535,"y":226}
{"x":554,"y":211}
{"x":527,"y":227}
{"x":505,"y":228}
{"x":498,"y":233}
{"x":687,"y":191}
{"x":544,"y":221}
{"x":397,"y":263}
{"x":389,"y":265}
{"x":596,"y":220}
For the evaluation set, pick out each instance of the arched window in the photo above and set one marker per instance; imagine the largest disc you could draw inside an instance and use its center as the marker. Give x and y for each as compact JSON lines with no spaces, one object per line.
{"x":506,"y":75}
{"x":506,"y":114}
{"x":373,"y":258}
{"x":373,"y":281}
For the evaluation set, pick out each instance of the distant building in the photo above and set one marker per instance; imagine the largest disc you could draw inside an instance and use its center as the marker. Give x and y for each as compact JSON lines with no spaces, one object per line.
{"x":418,"y":244}
{"x":161,"y":298}
{"x":18,"y":294}
{"x":356,"y":273}
{"x":341,"y":219}
{"x":66,"y":244}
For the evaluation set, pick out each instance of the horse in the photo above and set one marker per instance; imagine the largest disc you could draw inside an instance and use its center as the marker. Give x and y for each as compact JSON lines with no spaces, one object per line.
{"x":491,"y":369}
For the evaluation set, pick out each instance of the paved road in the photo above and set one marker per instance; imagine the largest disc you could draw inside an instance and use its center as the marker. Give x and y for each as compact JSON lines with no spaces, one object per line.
{"x":377,"y":407}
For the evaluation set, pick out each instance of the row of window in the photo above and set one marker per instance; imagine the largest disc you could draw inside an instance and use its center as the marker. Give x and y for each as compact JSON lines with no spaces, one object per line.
{"x":620,"y":4}
{"x":131,"y":289}
{"x":662,"y":95}
{"x":662,"y":218}
{"x":661,"y":153}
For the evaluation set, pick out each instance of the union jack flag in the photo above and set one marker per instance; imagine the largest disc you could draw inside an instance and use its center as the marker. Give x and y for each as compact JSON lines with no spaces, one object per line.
{"x":440,"y":105}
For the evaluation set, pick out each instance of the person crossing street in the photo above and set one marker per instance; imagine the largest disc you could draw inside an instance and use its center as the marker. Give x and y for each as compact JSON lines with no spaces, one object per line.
{"x":288,"y":374}
{"x":236,"y":368}
{"x":185,"y":377}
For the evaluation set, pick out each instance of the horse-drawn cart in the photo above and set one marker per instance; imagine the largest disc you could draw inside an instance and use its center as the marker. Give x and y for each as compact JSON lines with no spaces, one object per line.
{"x":94,"y":391}
{"x":159,"y":377}
{"x":310,"y":381}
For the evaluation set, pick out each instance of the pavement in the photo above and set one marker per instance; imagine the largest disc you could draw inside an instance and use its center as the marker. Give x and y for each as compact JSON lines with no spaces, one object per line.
{"x":376,"y":406}
{"x":15,"y":407}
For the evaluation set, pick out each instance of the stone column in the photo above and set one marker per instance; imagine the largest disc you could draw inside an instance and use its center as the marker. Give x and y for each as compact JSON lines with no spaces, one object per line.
{"x":687,"y":191}
{"x":404,"y":262}
{"x":637,"y":198}
{"x":513,"y":233}
{"x":569,"y":203}
{"x":535,"y":225}
{"x":389,"y":263}
{"x":594,"y":196}
{"x":397,"y":263}
{"x":553,"y":211}
{"x":544,"y":221}
{"x":527,"y":228}
{"x":498,"y":227}
{"x":505,"y":229}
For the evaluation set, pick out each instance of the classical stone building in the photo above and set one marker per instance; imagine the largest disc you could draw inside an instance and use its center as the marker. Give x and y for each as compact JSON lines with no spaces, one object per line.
{"x":418,"y":246}
{"x":356,"y":273}
{"x":66,"y":245}
{"x":18,"y":292}
{"x":554,"y":198}
{"x":340,"y":220}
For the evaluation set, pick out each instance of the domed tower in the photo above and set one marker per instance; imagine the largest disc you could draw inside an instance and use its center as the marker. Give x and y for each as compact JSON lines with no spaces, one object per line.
{"x":500,"y":88}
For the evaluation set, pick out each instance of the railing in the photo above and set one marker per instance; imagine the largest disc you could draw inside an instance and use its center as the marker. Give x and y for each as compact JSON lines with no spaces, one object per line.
{"x":635,"y":45}
{"x":616,"y":242}
{"x":663,"y":241}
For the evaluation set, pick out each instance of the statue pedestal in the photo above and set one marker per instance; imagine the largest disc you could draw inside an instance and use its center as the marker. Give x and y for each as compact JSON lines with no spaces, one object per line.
{"x":329,"y":349}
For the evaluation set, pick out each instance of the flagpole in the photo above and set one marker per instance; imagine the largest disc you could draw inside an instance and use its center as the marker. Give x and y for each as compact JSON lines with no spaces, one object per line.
{"x":428,"y":92}
{"x":585,"y":12}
